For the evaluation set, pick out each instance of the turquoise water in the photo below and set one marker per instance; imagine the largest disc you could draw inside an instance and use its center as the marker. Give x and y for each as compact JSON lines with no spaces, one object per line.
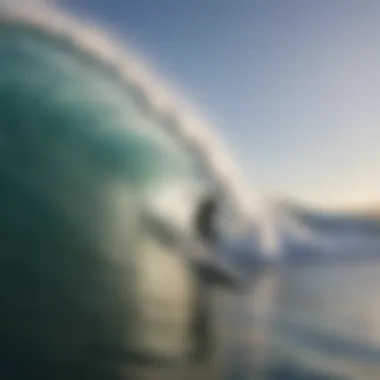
{"x":81,"y":161}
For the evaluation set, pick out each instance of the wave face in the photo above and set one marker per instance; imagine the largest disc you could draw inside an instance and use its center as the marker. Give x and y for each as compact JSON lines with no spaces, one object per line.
{"x":80,"y":159}
{"x":88,"y":147}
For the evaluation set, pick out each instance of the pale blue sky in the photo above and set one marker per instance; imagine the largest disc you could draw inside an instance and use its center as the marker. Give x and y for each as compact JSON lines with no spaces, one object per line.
{"x":293,"y":86}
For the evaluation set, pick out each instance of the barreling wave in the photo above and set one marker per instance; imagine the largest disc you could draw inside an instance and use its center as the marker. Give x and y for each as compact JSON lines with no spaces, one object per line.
{"x":163,"y":107}
{"x":87,"y":141}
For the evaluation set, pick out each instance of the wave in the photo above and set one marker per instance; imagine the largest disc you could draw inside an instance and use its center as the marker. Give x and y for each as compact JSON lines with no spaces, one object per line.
{"x":178,"y":120}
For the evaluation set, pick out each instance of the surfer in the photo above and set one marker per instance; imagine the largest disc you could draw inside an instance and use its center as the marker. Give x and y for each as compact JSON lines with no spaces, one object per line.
{"x":205,"y":222}
{"x":205,"y":228}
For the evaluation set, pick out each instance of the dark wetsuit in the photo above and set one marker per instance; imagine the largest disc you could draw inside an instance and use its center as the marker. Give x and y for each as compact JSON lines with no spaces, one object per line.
{"x":202,"y":329}
{"x":205,"y":221}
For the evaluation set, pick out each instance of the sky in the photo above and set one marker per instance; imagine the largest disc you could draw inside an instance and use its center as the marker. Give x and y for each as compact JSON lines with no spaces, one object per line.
{"x":293,"y":86}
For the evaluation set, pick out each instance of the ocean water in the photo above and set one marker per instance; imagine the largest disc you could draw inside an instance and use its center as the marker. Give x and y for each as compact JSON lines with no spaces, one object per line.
{"x":318,"y":322}
{"x":324,"y":322}
{"x":294,"y":323}
{"x":81,"y":162}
